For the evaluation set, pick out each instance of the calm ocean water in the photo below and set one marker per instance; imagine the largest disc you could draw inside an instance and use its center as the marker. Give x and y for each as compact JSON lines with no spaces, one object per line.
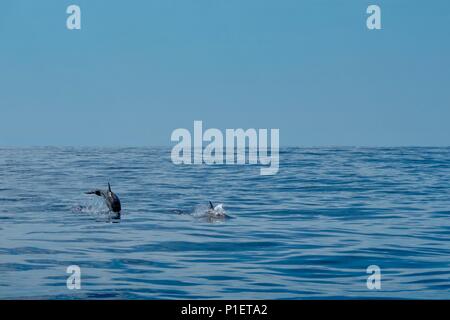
{"x":309,"y":232}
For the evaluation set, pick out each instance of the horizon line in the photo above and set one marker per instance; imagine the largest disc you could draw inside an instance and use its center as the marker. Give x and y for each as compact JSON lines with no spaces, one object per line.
{"x":170,"y":146}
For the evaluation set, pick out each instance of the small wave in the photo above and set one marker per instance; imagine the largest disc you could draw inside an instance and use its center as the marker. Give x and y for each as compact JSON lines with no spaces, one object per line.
{"x":96,"y":209}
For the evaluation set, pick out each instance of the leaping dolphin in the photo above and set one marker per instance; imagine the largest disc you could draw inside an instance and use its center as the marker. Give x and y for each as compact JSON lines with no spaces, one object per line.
{"x":111,"y":199}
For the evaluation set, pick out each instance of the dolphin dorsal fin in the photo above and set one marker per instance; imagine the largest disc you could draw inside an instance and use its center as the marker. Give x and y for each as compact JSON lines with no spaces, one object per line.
{"x":211,"y":205}
{"x":109,"y":187}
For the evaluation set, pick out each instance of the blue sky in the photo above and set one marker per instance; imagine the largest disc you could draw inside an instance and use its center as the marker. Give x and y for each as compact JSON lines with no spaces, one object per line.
{"x":140,"y":69}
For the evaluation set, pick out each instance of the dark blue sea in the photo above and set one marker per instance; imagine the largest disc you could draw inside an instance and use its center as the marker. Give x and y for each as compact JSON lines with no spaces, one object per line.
{"x":308,"y":232}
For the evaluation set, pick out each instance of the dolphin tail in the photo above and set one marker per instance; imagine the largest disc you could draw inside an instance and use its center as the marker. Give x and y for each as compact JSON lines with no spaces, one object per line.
{"x":96,"y":192}
{"x":109,"y":187}
{"x":211,"y":205}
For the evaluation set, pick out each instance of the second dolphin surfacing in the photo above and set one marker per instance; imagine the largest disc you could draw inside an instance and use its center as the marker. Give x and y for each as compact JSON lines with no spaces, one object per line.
{"x":216,"y":211}
{"x":210,"y":214}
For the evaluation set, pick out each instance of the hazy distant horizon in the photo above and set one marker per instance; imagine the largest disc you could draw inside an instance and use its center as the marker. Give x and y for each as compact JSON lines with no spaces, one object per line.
{"x":281,"y":146}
